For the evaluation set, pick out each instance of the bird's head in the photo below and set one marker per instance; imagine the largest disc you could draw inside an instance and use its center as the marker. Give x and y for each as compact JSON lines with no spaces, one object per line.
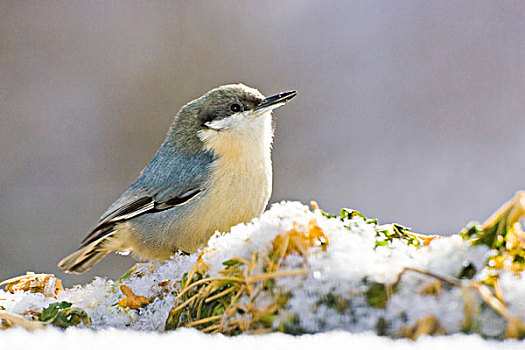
{"x":226,"y":119}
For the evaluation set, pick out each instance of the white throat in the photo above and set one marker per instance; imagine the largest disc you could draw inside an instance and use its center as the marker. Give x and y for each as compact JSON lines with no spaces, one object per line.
{"x":240,"y":136}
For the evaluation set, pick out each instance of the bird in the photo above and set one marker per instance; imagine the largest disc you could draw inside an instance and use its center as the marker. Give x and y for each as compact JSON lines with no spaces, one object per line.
{"x":213,"y":171}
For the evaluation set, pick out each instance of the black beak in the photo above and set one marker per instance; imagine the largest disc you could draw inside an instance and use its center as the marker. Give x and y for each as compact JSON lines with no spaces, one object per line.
{"x":281,"y":98}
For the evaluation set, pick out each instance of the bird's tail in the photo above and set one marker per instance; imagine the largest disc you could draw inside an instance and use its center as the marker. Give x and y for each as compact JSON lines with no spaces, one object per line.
{"x":89,"y":255}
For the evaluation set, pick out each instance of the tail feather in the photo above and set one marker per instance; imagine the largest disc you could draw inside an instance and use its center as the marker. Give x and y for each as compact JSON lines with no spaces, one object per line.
{"x":82,"y":260}
{"x":88,"y":255}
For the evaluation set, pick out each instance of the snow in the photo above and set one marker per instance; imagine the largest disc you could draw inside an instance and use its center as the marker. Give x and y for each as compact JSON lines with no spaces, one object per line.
{"x":340,"y":271}
{"x":80,"y":339}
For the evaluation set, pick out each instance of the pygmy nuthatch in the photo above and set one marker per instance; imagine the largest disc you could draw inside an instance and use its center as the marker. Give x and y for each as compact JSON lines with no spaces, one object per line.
{"x":213,"y":171}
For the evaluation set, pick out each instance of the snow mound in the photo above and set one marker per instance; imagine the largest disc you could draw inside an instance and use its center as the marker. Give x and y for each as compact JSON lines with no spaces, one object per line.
{"x":302,"y":271}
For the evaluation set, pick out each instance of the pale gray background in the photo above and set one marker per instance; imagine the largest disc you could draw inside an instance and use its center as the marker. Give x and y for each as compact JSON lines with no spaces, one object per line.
{"x":411,"y":111}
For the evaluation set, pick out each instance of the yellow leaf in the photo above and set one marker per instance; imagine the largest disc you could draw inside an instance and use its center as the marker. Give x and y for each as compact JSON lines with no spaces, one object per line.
{"x":132,"y":300}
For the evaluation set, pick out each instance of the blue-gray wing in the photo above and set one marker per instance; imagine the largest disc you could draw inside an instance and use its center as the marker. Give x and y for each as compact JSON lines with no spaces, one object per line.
{"x":170,"y":179}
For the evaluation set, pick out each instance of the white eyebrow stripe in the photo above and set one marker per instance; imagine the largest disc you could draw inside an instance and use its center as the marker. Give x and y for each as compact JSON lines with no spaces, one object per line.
{"x":225,"y":123}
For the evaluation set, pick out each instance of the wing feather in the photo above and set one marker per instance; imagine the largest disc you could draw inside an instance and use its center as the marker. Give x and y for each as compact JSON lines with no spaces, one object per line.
{"x":169,"y":180}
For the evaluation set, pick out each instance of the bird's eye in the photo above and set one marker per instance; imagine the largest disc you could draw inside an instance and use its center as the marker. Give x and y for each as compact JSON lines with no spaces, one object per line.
{"x":235,"y":107}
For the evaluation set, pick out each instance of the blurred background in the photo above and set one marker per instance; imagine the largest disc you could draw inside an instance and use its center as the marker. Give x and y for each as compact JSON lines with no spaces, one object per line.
{"x":410,"y":111}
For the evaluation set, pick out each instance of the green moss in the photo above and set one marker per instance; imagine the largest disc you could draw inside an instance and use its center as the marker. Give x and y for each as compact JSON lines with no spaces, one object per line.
{"x":336,"y":302}
{"x":377,"y":295}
